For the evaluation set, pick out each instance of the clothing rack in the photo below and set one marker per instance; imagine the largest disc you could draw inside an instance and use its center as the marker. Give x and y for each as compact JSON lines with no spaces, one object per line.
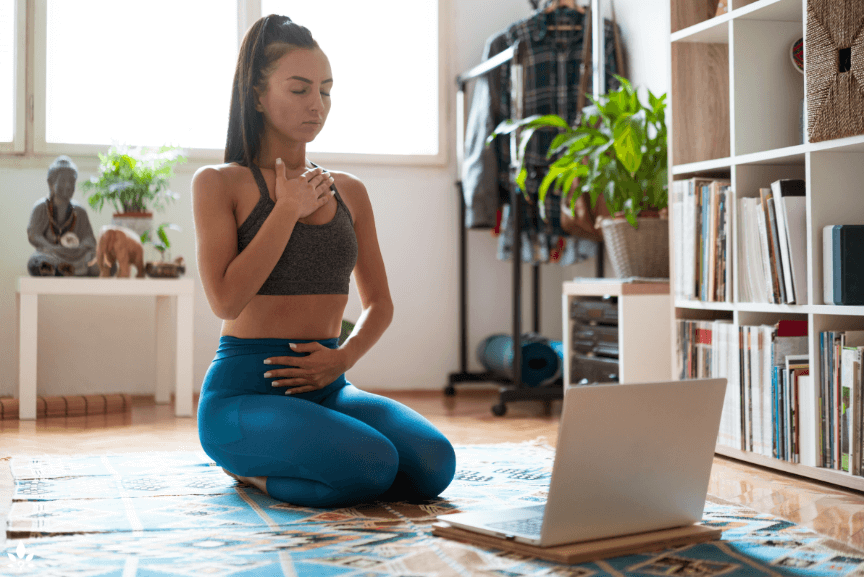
{"x":518,"y":391}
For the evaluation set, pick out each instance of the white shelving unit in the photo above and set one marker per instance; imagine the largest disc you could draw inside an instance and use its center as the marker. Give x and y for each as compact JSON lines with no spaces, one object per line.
{"x":734,"y":106}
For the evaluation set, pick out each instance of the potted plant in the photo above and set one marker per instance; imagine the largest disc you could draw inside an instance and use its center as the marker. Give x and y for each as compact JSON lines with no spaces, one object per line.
{"x":161,"y":268}
{"x":616,"y":154}
{"x":135,"y":180}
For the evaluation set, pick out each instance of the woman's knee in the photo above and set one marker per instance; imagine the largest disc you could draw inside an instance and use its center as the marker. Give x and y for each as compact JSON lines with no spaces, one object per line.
{"x":371,"y":468}
{"x":438,"y":461}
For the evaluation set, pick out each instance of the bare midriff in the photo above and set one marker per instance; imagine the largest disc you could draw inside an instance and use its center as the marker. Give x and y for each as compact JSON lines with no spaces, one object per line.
{"x":310,"y":317}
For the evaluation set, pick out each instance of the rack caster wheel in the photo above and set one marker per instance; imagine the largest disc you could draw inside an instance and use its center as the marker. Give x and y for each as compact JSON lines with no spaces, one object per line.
{"x":499,"y":409}
{"x":449,"y":391}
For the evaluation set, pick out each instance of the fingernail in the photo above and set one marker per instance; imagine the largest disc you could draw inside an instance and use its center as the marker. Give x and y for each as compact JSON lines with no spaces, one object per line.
{"x":267,"y":362}
{"x":292,"y":345}
{"x":278,"y":161}
{"x":267,"y":375}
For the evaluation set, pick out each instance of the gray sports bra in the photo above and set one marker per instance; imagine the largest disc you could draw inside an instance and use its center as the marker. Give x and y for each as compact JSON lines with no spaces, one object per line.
{"x":318,"y":258}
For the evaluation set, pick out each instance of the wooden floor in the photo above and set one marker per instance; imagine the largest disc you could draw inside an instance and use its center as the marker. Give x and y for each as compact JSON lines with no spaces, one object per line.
{"x":464,"y":419}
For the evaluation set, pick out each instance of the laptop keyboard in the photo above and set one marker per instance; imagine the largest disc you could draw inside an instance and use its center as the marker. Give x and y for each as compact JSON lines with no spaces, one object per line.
{"x":529,"y":526}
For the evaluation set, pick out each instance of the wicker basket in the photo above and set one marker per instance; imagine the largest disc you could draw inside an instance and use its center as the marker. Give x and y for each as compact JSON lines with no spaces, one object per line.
{"x":642,"y":251}
{"x":834,"y":69}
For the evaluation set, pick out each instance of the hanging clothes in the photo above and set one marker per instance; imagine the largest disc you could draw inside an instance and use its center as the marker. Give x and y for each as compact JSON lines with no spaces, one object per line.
{"x":551,"y":86}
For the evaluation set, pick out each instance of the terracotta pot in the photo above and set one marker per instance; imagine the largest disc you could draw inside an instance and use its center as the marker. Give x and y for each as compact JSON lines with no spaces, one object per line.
{"x":137,"y":221}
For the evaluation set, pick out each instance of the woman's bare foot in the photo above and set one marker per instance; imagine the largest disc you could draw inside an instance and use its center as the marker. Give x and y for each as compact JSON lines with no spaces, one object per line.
{"x":260,"y":482}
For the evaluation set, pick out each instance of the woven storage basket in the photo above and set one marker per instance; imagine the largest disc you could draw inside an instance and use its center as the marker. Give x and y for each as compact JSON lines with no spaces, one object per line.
{"x":637,"y":252}
{"x":834,"y":68}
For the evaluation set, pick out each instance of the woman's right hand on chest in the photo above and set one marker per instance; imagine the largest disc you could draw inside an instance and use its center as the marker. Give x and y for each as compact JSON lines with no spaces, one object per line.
{"x":307,"y":193}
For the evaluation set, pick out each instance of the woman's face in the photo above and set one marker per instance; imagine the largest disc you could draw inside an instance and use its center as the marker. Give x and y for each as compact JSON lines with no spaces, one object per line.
{"x":297,"y":100}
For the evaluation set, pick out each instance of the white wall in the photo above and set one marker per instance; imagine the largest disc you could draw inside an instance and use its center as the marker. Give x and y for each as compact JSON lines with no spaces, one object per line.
{"x":99,"y":345}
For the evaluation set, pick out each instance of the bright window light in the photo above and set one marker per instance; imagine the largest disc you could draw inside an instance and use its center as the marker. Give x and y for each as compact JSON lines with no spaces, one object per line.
{"x":7,"y":69}
{"x":139,"y":73}
{"x":384,"y":58}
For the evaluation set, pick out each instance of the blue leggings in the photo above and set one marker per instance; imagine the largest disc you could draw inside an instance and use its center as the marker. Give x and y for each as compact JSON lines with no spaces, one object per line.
{"x":334,"y":447}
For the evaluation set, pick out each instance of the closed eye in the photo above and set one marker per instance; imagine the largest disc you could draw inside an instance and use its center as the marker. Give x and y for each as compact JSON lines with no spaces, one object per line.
{"x":304,"y":92}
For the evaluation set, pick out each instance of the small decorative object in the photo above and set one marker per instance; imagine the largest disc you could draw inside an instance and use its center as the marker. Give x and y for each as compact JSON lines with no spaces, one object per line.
{"x":120,"y":245}
{"x":796,"y":53}
{"x":135,"y":180}
{"x":59,"y":227}
{"x":835,"y":96}
{"x":617,"y":153}
{"x":161,"y":268}
{"x":722,"y":7}
{"x":166,"y":269}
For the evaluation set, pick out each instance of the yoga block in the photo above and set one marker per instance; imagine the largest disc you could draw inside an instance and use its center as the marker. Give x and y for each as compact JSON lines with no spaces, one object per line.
{"x":8,"y":408}
{"x":95,"y":404}
{"x":76,"y":406}
{"x":54,"y":406}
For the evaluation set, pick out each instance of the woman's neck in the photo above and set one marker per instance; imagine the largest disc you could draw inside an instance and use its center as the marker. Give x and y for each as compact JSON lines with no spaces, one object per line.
{"x":292,"y":154}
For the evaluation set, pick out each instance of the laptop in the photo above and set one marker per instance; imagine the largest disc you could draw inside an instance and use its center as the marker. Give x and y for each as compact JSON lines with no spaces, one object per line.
{"x":631,"y":458}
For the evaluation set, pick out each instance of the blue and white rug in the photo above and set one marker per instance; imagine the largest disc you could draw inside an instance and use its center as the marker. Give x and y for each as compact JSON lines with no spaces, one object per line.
{"x":177,"y":513}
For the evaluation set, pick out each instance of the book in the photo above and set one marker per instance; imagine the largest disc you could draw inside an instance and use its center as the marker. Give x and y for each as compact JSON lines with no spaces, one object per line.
{"x":782,"y":190}
{"x":848,"y":264}
{"x":828,"y":264}
{"x":809,"y":433}
{"x":770,"y":290}
{"x":777,"y":282}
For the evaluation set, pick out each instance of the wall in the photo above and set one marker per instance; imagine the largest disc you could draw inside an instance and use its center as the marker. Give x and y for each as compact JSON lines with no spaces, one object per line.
{"x":90,"y":345}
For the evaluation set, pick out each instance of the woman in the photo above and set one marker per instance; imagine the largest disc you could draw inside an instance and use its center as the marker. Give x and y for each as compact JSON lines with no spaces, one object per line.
{"x":277,"y":239}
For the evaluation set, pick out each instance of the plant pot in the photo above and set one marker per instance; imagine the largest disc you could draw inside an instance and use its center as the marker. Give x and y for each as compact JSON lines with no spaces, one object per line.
{"x":137,"y":221}
{"x":642,"y":251}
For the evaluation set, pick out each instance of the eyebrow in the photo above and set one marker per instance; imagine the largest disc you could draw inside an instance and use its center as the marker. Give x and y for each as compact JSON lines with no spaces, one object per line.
{"x":309,"y":81}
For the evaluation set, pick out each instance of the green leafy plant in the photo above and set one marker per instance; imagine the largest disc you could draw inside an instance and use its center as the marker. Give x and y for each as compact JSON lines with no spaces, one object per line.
{"x":162,"y":244}
{"x":134,"y":179}
{"x":617,"y":149}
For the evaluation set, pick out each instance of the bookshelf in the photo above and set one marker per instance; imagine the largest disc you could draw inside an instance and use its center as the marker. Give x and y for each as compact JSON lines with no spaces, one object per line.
{"x":734,"y":113}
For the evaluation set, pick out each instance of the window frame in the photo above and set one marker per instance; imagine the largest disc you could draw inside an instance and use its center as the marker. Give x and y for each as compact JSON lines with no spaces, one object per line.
{"x":30,"y":134}
{"x":19,"y":76}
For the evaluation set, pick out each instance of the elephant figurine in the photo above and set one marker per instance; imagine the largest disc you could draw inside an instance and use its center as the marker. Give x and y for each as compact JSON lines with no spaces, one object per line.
{"x":121,"y":245}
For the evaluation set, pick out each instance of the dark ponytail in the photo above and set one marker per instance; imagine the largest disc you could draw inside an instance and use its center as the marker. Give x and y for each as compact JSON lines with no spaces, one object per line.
{"x":266,"y":41}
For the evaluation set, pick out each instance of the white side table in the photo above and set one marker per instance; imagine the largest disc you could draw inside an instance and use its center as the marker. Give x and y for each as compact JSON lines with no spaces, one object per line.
{"x":644,"y":331}
{"x":29,"y":289}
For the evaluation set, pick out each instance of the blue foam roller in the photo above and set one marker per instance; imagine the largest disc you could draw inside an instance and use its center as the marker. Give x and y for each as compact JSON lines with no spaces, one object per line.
{"x":541,"y":364}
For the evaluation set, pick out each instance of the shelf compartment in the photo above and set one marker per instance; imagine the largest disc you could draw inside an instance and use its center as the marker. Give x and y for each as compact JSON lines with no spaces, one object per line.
{"x":767,"y":90}
{"x":833,"y":197}
{"x":687,"y":13}
{"x":700,"y":92}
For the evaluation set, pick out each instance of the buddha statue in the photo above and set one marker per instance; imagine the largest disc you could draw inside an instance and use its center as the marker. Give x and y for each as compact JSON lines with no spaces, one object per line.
{"x":60,"y":229}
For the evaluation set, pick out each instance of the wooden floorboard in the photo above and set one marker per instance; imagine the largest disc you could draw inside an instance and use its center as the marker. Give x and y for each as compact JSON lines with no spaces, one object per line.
{"x":465,"y":418}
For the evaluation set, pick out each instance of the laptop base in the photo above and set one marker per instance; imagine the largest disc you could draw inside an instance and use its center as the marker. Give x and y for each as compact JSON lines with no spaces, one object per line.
{"x":585,"y":551}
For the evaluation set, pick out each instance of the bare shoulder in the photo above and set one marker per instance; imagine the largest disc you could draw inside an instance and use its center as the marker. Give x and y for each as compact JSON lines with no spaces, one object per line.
{"x":353,"y":193}
{"x":218,"y":179}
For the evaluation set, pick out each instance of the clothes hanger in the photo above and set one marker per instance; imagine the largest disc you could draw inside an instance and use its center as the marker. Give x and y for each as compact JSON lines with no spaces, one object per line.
{"x":571,"y":4}
{"x":553,"y":5}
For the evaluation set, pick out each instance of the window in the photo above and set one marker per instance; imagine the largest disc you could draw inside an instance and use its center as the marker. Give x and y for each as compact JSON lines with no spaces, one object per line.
{"x":12,"y":60}
{"x":385,"y":72}
{"x":117,"y":71}
{"x":160,"y":72}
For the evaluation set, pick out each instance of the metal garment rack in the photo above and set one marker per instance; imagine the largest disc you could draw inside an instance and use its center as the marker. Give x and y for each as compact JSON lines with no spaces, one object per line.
{"x":517,"y":391}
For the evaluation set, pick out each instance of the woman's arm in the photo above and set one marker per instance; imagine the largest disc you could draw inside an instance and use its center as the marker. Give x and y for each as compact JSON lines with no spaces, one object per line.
{"x":370,"y":277}
{"x":230,"y":278}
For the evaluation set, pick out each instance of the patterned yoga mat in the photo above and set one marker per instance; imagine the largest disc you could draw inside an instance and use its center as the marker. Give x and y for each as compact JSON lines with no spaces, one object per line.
{"x":178,"y":513}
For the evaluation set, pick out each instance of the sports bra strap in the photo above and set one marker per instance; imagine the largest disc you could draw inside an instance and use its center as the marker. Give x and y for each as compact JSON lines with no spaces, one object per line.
{"x":259,"y":178}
